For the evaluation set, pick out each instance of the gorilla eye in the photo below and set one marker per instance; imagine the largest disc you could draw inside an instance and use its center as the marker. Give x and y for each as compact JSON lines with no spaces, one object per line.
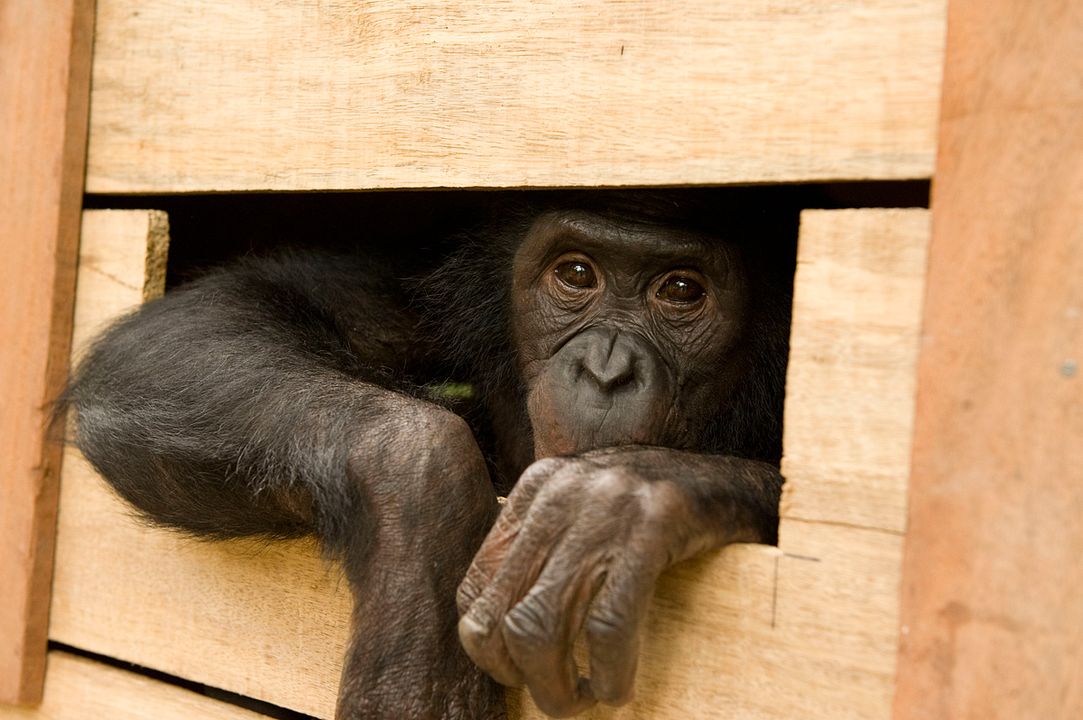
{"x":681,"y":289}
{"x":576,"y":274}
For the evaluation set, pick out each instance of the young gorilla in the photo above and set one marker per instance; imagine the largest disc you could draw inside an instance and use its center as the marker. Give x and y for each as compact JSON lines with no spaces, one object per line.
{"x":627,"y":361}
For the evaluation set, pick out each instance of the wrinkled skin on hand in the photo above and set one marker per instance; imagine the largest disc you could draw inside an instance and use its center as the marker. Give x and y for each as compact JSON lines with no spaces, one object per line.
{"x":579,"y":546}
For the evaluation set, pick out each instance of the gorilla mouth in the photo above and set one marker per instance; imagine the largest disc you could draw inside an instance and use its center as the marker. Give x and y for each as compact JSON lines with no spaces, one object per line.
{"x":568,"y":422}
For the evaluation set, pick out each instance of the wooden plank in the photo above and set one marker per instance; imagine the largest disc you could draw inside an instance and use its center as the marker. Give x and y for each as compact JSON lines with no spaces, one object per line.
{"x":44,"y":87}
{"x":993,"y":583}
{"x":335,"y":94}
{"x":267,"y":621}
{"x":78,"y":689}
{"x":853,"y":354}
{"x":122,"y":262}
{"x":808,"y":630}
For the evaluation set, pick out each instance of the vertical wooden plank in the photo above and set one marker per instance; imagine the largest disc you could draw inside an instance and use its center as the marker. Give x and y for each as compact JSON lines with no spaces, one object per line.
{"x":992,"y":598}
{"x":44,"y":86}
{"x":853,"y":353}
{"x":122,"y":263}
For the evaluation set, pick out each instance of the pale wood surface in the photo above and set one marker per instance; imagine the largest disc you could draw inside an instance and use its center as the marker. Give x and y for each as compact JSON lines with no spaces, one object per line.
{"x":752,"y":632}
{"x":269,"y":622}
{"x":44,"y":83}
{"x":199,"y":95}
{"x":993,"y":578}
{"x":81,"y":689}
{"x":853,"y":352}
{"x":122,"y":261}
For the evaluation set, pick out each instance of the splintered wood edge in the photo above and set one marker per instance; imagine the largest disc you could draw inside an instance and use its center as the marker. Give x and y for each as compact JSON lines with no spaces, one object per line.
{"x":157,"y":255}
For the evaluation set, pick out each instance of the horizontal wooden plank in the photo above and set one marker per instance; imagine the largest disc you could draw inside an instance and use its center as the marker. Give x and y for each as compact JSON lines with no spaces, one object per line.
{"x":853,"y":353}
{"x":81,"y":689}
{"x":267,"y":621}
{"x":200,"y":95}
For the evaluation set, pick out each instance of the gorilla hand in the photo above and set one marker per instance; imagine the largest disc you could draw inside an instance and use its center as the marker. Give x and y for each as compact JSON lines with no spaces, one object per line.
{"x":580,"y":544}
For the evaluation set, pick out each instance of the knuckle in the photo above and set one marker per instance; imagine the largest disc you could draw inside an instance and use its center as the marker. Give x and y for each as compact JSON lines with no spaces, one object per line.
{"x":478,"y":623}
{"x":529,"y":625}
{"x":469,"y":591}
{"x":612,"y":483}
{"x":607,"y":627}
{"x":560,"y":484}
{"x":663,"y":504}
{"x":540,"y":470}
{"x":471,"y":636}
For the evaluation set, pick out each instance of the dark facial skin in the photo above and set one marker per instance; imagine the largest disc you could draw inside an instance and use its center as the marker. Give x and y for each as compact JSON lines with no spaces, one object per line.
{"x":625,"y":333}
{"x":627,"y":337}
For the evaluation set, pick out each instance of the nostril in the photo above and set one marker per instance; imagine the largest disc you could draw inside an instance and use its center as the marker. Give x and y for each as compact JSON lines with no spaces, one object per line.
{"x":616,"y":380}
{"x":610,"y":374}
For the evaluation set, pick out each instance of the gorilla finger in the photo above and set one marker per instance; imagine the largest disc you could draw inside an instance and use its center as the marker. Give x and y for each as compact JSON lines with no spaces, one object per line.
{"x":540,"y":642}
{"x":613,"y":627}
{"x":479,"y":628}
{"x":494,"y":549}
{"x":540,"y":631}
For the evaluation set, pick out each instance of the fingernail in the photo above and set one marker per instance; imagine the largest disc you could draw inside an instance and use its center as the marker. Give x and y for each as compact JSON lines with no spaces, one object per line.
{"x":584,"y":689}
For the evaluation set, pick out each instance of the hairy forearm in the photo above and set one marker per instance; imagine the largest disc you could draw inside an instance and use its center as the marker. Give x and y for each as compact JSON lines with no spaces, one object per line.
{"x":723,"y":499}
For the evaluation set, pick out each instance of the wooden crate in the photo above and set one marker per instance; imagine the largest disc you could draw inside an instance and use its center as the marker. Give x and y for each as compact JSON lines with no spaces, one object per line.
{"x":244,"y":95}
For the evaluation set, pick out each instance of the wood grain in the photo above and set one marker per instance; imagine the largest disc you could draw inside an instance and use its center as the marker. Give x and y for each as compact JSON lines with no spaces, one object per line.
{"x":993,"y":583}
{"x":202,"y":95}
{"x":753,"y":632}
{"x":266,"y":621}
{"x":44,"y":82}
{"x":122,"y":261}
{"x":853,"y":354}
{"x":81,"y":689}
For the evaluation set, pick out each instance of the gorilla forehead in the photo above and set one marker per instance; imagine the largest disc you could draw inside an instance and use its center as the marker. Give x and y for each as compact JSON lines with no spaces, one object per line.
{"x":609,"y":238}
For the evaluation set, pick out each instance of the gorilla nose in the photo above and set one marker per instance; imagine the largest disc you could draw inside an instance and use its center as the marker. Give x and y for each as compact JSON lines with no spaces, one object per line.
{"x":610,"y":361}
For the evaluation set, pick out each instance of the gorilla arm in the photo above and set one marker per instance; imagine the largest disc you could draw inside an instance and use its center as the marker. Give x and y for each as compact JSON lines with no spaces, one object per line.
{"x":252,"y":402}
